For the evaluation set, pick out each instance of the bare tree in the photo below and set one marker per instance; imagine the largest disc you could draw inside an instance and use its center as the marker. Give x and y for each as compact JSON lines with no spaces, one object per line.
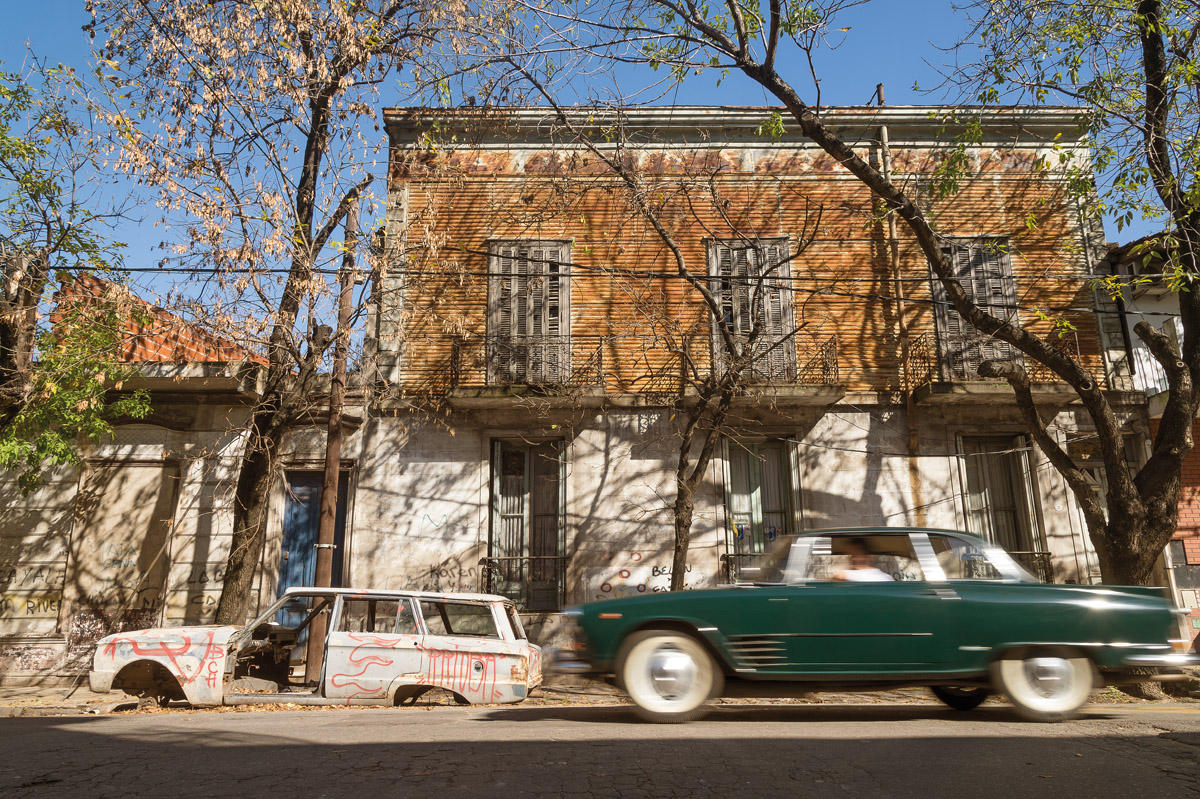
{"x":256,"y":121}
{"x":1156,"y":43}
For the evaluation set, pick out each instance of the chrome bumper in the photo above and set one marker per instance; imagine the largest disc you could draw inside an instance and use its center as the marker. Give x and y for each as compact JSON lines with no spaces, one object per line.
{"x":1174,"y":660}
{"x":565,"y":661}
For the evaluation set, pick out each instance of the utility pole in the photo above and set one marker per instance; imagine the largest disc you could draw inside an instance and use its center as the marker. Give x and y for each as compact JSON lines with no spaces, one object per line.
{"x":327,"y":521}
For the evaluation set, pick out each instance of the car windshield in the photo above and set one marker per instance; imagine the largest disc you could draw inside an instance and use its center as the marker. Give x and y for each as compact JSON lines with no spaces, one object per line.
{"x":767,"y":567}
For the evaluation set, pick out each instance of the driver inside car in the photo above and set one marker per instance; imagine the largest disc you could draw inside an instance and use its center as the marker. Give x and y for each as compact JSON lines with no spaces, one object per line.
{"x":862,"y":565}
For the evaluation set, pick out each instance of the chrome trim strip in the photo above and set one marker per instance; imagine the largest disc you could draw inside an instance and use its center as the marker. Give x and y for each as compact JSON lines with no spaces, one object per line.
{"x":852,"y":635}
{"x":1175,"y":659}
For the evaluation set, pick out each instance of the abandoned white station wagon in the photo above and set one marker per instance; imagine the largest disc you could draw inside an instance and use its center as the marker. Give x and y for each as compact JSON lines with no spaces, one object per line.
{"x":382,"y":647}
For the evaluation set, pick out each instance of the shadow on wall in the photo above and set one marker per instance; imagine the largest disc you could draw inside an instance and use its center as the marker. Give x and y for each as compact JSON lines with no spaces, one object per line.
{"x":119,"y":555}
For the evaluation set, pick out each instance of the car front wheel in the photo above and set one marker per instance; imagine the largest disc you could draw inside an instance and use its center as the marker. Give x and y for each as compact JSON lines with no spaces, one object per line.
{"x":669,"y":676}
{"x":1046,"y":687}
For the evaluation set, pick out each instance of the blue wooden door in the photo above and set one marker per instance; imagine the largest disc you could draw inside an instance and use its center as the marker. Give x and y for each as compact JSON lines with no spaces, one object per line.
{"x":301,"y":515}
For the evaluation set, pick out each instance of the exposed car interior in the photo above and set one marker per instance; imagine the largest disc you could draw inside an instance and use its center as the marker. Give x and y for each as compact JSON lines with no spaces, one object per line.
{"x":274,"y":655}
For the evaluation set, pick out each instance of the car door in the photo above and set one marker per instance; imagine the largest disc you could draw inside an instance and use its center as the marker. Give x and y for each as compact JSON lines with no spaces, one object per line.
{"x":375,"y":644}
{"x":463,"y":644}
{"x":891,"y":620}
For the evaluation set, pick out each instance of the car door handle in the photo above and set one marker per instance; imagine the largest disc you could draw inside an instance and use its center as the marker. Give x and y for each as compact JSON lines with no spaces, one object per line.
{"x":940,"y":593}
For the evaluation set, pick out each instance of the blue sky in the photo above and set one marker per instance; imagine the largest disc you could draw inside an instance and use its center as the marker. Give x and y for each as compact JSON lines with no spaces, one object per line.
{"x":889,"y":41}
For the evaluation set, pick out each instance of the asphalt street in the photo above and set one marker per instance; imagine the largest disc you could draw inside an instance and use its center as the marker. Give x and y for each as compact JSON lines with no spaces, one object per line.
{"x":603,"y":751}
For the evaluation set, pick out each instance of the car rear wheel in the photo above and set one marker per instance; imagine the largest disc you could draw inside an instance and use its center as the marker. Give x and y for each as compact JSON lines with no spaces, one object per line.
{"x":960,"y":698}
{"x":1045,"y":687}
{"x":669,"y":676}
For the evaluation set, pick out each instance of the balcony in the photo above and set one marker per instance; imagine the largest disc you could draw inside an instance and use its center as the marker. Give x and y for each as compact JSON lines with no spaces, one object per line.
{"x":490,"y":369}
{"x":812,"y":378}
{"x":946,"y":374}
{"x":570,"y":371}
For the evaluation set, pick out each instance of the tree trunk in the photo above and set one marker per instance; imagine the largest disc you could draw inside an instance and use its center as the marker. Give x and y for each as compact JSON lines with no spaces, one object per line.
{"x":687,"y":480}
{"x":24,"y":284}
{"x":1129,"y":557}
{"x":277,"y":409}
{"x":250,"y":506}
{"x":327,"y":525}
{"x":683,"y":510}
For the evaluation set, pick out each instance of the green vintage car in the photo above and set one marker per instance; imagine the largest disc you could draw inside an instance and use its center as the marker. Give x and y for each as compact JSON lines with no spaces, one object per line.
{"x":876,"y":608}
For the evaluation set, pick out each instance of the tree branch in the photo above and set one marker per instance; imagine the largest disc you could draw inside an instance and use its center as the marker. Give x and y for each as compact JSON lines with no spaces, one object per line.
{"x":1083,"y":489}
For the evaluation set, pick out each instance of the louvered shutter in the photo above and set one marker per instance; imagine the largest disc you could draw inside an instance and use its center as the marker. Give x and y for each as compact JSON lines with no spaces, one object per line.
{"x":721,"y":269}
{"x":502,"y":322}
{"x":751,"y":286}
{"x":778,"y":361}
{"x":529,"y":313}
{"x":739,"y":500}
{"x":983,"y":269}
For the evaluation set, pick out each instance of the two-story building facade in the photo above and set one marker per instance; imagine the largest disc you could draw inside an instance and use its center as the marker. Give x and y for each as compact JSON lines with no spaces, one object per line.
{"x":549,"y":312}
{"x":539,"y":334}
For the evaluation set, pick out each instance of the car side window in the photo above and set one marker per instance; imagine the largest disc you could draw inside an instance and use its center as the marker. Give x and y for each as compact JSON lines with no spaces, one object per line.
{"x":459,"y":618}
{"x":514,"y":621}
{"x":863,"y":558}
{"x":387,"y":616}
{"x":962,"y":560}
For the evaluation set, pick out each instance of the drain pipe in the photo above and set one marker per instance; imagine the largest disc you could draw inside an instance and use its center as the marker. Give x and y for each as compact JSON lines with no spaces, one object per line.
{"x":910,"y":411}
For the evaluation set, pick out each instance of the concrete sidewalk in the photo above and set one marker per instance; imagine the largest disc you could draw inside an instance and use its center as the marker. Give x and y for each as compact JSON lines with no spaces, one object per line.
{"x":63,"y":700}
{"x":57,"y":700}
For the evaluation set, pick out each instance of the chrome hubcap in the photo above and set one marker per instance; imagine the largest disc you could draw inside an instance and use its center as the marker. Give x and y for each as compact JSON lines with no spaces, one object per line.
{"x":1049,"y":677}
{"x":672,"y":672}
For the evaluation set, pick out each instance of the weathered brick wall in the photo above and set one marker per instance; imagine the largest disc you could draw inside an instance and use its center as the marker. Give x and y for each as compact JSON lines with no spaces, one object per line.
{"x":154,"y":335}
{"x":459,"y":198}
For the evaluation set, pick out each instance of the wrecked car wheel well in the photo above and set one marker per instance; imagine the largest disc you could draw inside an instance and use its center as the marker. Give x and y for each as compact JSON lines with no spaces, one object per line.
{"x":145,"y":678}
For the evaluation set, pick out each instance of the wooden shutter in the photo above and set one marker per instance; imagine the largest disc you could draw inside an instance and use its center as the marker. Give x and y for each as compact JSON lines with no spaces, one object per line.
{"x":529,"y":314}
{"x":983,"y":269}
{"x":739,"y":499}
{"x":779,"y":351}
{"x":751,"y":305}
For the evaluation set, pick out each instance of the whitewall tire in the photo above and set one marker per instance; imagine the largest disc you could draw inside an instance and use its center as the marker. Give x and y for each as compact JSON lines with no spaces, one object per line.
{"x":1045,"y":687}
{"x":669,"y":675}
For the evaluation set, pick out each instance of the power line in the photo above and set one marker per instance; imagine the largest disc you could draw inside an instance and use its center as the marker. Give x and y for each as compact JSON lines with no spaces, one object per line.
{"x":776,"y":281}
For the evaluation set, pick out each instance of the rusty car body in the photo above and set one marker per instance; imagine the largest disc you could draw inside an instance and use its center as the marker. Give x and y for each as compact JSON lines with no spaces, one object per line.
{"x":380,"y":648}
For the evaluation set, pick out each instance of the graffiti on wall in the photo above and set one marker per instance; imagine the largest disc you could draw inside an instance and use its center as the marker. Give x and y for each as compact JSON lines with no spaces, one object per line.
{"x":31,"y":606}
{"x":630,"y":575}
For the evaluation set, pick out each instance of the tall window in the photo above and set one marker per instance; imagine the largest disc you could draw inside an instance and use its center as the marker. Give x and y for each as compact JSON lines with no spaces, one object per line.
{"x":984,"y":270}
{"x":758,"y":497}
{"x":526,"y":546}
{"x":750,"y":279}
{"x":528,"y":312}
{"x":998,"y":487}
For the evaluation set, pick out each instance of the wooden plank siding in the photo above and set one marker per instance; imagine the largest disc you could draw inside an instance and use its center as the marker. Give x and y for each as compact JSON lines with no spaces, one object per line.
{"x":460,"y":199}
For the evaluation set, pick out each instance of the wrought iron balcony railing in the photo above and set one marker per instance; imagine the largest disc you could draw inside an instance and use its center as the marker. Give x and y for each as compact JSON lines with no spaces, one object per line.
{"x":526,"y":361}
{"x":803,"y":359}
{"x":933,"y":359}
{"x":1036,"y":563}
